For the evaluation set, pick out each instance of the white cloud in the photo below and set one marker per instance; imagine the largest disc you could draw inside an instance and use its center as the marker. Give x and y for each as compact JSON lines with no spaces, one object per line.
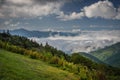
{"x":102,"y":9}
{"x":19,"y":1}
{"x":118,"y":14}
{"x":72,"y":16}
{"x":14,"y":24}
{"x":8,"y":22}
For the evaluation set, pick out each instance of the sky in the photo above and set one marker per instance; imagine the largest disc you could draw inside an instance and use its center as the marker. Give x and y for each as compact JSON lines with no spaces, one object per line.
{"x":60,"y":14}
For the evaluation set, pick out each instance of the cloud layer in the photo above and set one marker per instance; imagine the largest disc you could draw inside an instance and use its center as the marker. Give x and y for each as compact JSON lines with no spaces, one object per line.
{"x":85,"y":42}
{"x":29,"y":8}
{"x":40,"y":8}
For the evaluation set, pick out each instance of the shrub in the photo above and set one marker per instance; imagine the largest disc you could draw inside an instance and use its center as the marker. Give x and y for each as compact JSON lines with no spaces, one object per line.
{"x":54,"y":60}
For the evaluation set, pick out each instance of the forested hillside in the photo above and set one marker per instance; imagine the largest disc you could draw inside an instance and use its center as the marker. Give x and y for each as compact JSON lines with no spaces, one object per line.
{"x":109,"y":54}
{"x":75,"y":63}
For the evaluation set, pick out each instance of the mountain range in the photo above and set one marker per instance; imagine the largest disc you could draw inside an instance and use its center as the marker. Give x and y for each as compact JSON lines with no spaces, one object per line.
{"x":109,"y":55}
{"x":40,"y":34}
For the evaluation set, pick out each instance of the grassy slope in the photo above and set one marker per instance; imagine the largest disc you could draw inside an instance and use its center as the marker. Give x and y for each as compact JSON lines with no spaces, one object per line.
{"x":18,"y":67}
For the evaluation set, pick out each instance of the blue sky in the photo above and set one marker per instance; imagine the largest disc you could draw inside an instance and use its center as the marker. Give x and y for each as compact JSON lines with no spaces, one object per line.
{"x":60,"y":14}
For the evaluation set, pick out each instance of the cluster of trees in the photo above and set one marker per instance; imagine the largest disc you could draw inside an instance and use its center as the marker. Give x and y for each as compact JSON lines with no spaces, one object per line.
{"x":18,"y":40}
{"x":26,"y":43}
{"x":77,"y":64}
{"x":76,"y":58}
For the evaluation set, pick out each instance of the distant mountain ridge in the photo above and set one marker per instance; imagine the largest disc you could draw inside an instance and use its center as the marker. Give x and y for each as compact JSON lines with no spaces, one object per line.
{"x":40,"y":34}
{"x":91,"y":57}
{"x":110,"y":55}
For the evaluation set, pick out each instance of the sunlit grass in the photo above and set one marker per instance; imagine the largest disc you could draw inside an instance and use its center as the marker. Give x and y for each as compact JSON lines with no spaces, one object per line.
{"x":18,"y":67}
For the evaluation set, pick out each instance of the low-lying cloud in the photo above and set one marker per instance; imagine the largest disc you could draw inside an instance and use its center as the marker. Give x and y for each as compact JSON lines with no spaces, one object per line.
{"x":87,"y":41}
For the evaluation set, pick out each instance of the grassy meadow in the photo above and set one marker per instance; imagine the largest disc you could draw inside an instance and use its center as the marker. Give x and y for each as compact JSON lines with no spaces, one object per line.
{"x":19,"y":67}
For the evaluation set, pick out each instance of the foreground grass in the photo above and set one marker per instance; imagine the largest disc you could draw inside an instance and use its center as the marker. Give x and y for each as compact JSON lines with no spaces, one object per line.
{"x":19,"y":67}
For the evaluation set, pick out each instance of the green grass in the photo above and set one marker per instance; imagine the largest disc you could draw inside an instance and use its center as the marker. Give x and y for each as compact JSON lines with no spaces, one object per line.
{"x":18,"y":67}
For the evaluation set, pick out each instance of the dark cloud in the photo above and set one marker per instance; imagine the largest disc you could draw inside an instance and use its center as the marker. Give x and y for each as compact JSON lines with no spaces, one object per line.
{"x":29,"y":8}
{"x":2,"y":2}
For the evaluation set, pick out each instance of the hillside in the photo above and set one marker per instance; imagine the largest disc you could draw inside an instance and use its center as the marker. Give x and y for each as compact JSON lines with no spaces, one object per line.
{"x":109,"y":55}
{"x":76,"y":65}
{"x":47,"y":54}
{"x":17,"y":67}
{"x":89,"y":56}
